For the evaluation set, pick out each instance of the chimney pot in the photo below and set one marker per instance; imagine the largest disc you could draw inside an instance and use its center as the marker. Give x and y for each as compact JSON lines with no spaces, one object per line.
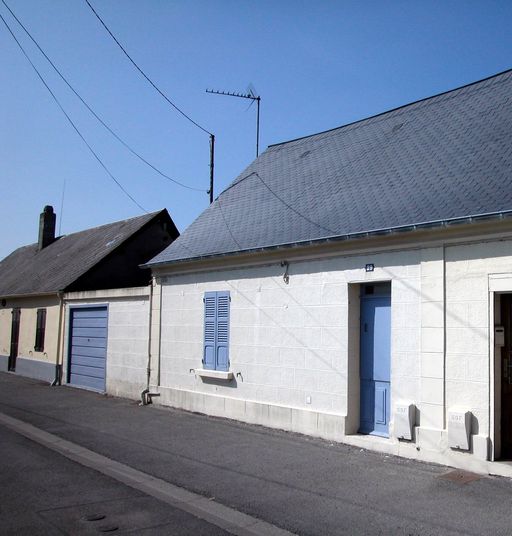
{"x":46,"y":227}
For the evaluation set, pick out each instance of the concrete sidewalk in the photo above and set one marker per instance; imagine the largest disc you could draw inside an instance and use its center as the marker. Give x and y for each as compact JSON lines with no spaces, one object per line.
{"x":299,"y":484}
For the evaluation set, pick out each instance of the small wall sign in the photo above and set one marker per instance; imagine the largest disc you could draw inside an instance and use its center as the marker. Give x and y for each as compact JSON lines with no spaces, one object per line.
{"x":369,"y":267}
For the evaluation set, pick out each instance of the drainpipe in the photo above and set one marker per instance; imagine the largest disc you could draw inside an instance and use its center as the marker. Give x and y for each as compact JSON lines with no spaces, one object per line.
{"x":145,"y":395}
{"x":160,"y":332}
{"x":60,"y":344}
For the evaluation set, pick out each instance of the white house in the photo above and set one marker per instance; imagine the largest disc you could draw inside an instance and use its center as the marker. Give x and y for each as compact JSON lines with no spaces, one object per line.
{"x":356,"y":285}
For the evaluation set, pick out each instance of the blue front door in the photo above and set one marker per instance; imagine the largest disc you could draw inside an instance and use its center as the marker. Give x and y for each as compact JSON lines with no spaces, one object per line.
{"x":375,"y":370}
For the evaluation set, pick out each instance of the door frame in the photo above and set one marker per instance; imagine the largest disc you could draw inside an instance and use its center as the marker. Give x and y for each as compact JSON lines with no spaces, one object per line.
{"x":497,"y":284}
{"x":504,"y":403}
{"x":495,"y":377}
{"x":387,"y":293}
{"x":71,"y":309}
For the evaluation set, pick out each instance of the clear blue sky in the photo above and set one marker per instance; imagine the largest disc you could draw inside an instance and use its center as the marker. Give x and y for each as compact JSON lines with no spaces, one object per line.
{"x":316,"y":64}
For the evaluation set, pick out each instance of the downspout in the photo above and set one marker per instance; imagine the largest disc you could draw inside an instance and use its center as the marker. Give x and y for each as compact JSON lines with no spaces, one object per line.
{"x":160,"y":332}
{"x":145,"y":395}
{"x":445,"y":408}
{"x":60,"y":343}
{"x":148,"y":369}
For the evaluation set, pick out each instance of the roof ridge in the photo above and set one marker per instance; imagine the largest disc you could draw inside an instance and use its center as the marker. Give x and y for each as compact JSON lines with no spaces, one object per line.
{"x":412,"y":103}
{"x":148,"y":215}
{"x":31,"y":270}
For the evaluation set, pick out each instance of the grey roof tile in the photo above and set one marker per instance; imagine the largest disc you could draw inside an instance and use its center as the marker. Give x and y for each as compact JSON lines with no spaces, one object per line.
{"x":444,"y":157}
{"x":29,"y":270}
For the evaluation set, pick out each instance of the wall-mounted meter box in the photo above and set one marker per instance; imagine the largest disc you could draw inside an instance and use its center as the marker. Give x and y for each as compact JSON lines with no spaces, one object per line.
{"x":405,"y":419}
{"x":499,"y":336}
{"x":459,"y":428}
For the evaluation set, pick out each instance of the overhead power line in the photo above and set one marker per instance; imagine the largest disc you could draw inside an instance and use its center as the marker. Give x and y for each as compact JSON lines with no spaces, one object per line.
{"x":68,"y":117}
{"x":135,"y":153}
{"x":279,"y":198}
{"x":227,"y":226}
{"x":167,"y":99}
{"x":287,"y":205}
{"x":144,"y":74}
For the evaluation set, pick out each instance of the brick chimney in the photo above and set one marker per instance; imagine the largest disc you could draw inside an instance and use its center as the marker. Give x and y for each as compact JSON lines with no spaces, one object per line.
{"x":46,"y":227}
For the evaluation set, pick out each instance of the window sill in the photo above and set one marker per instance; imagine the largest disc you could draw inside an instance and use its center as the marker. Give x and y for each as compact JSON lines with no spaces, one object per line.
{"x":217,"y":374}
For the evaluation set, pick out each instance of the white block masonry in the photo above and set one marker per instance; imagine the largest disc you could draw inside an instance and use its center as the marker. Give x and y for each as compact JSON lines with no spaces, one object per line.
{"x":127,"y":349}
{"x":431,"y":397}
{"x":289,"y":342}
{"x":294,"y":347}
{"x":467,"y":325}
{"x":128,"y":335}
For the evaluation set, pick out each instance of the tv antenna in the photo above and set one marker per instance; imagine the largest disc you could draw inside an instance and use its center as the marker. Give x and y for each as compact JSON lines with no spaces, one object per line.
{"x":251,"y":94}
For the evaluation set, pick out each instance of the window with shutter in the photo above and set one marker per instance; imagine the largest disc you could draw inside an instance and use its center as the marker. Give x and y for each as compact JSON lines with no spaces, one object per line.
{"x":40,"y":329}
{"x":216,"y":330}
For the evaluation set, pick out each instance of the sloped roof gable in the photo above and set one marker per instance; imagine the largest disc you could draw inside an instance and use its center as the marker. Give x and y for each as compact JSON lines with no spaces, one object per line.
{"x":445,"y":157}
{"x":29,"y":270}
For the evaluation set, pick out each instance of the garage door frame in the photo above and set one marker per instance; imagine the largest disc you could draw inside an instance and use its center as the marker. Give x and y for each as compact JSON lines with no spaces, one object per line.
{"x":72,"y":310}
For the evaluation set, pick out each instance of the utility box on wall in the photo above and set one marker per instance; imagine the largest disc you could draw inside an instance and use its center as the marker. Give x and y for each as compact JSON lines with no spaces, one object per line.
{"x":459,"y":428}
{"x":405,"y":418}
{"x":499,"y":336}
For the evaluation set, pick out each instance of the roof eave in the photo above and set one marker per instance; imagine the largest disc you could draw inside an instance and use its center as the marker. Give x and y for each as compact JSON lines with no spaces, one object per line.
{"x":31,"y":295}
{"x":410,"y":228}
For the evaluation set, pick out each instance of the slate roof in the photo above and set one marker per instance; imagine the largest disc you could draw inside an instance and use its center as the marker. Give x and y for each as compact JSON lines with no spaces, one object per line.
{"x":29,"y":270}
{"x":441,"y":158}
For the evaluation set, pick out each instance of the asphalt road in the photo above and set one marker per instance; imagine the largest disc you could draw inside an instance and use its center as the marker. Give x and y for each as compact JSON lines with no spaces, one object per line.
{"x":43,"y":493}
{"x":304,"y":485}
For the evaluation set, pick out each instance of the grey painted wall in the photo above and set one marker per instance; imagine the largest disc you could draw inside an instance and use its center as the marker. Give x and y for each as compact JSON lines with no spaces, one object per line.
{"x":38,"y":370}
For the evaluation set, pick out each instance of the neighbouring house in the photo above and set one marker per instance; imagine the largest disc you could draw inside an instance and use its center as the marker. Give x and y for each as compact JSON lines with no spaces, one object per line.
{"x":61,"y":297}
{"x":356,"y":285}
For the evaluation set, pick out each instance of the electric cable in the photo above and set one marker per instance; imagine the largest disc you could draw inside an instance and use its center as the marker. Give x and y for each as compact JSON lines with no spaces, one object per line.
{"x":144,"y":74}
{"x":68,"y":117}
{"x":287,"y":205}
{"x":204,"y":130}
{"x":135,"y":153}
{"x":227,"y":226}
{"x":293,"y":209}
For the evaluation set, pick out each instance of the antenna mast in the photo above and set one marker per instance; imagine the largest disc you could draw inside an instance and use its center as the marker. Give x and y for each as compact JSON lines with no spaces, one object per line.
{"x":212,"y":159}
{"x":250,"y":96}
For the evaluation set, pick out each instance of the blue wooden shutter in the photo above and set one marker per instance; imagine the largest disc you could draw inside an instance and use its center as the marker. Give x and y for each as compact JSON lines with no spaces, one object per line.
{"x":210,"y":323}
{"x":216,"y":330}
{"x":222,"y":343}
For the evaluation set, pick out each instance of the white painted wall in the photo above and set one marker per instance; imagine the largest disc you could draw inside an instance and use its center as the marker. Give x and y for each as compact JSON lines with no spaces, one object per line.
{"x":127,"y":349}
{"x":293,"y":341}
{"x":128,"y":333}
{"x":468,"y":321}
{"x":290,"y":341}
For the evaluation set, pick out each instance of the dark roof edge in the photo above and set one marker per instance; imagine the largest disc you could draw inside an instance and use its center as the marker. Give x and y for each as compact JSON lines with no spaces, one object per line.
{"x":106,"y":254}
{"x":152,"y":214}
{"x":351,"y":236}
{"x":391,"y":110}
{"x":32,"y":294}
